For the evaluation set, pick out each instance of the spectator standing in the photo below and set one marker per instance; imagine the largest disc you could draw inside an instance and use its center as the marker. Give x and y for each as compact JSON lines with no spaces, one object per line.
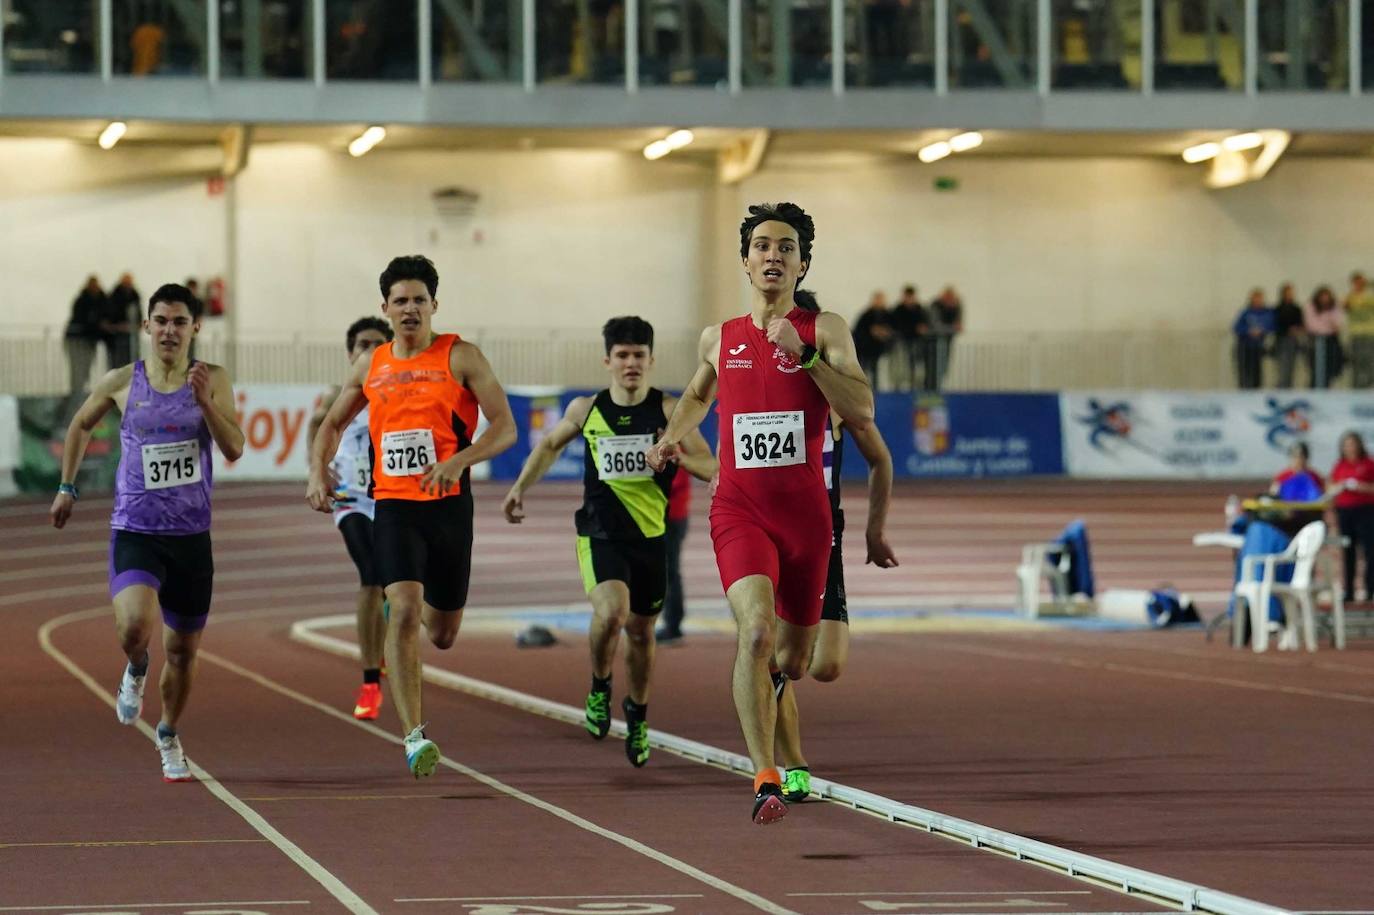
{"x":1253,"y":326}
{"x":873,"y":335}
{"x":1323,"y":321}
{"x":1359,"y":308}
{"x":83,"y":333}
{"x":123,"y":309}
{"x":194,"y":286}
{"x":946,"y":315}
{"x":1352,"y":483}
{"x":1290,"y":336}
{"x":1298,"y":482}
{"x":909,"y":326}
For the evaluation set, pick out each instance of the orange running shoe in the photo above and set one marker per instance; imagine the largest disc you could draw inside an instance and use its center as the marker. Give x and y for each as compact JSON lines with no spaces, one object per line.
{"x":369,"y":702}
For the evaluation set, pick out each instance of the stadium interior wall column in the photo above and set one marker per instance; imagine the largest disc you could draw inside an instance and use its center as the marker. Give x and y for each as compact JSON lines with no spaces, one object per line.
{"x":231,"y":275}
{"x":719,"y":295}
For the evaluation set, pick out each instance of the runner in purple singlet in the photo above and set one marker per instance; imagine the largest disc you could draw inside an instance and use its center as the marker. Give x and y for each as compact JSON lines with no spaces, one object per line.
{"x":172,"y":408}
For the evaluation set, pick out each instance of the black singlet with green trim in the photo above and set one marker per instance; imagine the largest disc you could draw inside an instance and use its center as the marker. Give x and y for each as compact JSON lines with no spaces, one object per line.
{"x":623,"y":498}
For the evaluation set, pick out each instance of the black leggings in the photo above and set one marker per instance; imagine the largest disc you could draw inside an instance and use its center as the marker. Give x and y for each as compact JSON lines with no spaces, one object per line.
{"x":1357,"y":524}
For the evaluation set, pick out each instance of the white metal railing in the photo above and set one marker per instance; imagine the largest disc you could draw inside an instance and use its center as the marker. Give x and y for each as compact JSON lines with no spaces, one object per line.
{"x":33,"y":360}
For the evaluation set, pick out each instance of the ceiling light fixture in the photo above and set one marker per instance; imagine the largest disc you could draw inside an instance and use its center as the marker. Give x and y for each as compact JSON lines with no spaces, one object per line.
{"x":657,"y":150}
{"x":963,"y":142}
{"x":112,"y":134}
{"x":1201,"y":152}
{"x":366,"y":140}
{"x":934,"y":152}
{"x":1242,"y":141}
{"x":679,"y":138}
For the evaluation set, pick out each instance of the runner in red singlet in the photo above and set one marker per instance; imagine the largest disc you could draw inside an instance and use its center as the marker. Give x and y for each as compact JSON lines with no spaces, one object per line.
{"x":780,"y":370}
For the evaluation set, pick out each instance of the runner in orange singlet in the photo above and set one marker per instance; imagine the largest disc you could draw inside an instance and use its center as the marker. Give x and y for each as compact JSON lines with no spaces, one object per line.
{"x":780,"y":370}
{"x":422,"y":391}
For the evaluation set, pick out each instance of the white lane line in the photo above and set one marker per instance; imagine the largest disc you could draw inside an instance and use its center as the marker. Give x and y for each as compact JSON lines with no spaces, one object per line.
{"x":1061,"y":661}
{"x":654,"y":854}
{"x":1005,"y":894}
{"x":548,"y":898}
{"x":335,"y":887}
{"x":1109,"y":874}
{"x":108,"y":906}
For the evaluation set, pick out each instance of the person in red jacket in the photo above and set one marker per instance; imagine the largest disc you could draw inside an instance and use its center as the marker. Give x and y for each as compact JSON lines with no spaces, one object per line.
{"x":1352,"y":484}
{"x":669,"y":630}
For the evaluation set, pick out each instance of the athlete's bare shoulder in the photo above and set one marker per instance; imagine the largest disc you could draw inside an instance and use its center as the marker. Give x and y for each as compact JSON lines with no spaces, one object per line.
{"x":579,"y":408}
{"x":709,"y":345}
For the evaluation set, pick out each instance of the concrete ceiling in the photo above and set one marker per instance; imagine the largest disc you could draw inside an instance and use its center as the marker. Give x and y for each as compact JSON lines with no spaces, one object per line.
{"x":708,"y":140}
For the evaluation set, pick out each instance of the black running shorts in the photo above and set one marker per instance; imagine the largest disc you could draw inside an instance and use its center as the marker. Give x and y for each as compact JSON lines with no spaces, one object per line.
{"x":641,"y":564}
{"x":429,"y":542}
{"x":357,"y":534}
{"x":179,"y":567}
{"x":834,"y":605}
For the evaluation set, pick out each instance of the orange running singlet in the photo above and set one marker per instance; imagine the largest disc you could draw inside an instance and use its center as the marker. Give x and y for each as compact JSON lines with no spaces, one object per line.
{"x":418,"y":415}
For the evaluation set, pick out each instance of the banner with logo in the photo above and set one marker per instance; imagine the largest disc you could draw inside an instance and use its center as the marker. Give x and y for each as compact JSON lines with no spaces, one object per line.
{"x":1158,"y":434}
{"x":970,"y":435}
{"x":275,"y":419}
{"x":42,"y":435}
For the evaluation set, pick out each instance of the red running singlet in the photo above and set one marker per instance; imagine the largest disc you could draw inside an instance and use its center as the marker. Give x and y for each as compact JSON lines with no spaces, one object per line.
{"x":771,"y":513}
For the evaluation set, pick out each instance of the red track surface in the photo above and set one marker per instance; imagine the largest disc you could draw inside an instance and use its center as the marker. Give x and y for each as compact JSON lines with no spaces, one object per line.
{"x":1244,"y":773}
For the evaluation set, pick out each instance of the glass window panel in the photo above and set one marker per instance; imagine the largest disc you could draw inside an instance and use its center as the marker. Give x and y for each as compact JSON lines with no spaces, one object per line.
{"x":159,"y":37}
{"x":992,"y":44}
{"x":1199,"y":45}
{"x":786,"y":42}
{"x":1095,"y":44}
{"x":478,"y":40}
{"x":890,"y":42}
{"x":1303,"y":45}
{"x":371,"y":39}
{"x":51,"y":36}
{"x":265,"y":39}
{"x":580,"y":41}
{"x":684,"y":43}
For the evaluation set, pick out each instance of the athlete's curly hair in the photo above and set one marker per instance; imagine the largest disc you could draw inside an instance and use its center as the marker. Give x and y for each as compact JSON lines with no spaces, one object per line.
{"x":789,"y":213}
{"x":629,"y":329}
{"x":410,"y":267}
{"x":806,"y":300}
{"x":368,"y":323}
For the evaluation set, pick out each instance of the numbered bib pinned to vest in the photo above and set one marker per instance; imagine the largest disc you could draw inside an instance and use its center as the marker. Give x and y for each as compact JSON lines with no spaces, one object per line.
{"x":407,"y":452}
{"x":769,"y":439}
{"x":171,"y":464}
{"x":622,"y":457}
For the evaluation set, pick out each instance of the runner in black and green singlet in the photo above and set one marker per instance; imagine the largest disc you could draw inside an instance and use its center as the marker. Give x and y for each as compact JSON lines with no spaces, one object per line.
{"x":621,"y":547}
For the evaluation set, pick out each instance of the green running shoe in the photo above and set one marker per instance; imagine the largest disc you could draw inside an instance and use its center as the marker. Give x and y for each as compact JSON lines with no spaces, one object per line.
{"x":797,"y":786}
{"x":598,"y":721}
{"x":636,"y":734}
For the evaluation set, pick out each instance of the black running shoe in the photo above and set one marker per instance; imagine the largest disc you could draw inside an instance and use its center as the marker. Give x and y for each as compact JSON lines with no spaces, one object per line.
{"x":636,"y":734}
{"x":768,"y":804}
{"x":598,"y":721}
{"x":669,"y":637}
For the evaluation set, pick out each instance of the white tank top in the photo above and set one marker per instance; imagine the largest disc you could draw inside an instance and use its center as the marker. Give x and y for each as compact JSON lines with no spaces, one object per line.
{"x":353,"y":465}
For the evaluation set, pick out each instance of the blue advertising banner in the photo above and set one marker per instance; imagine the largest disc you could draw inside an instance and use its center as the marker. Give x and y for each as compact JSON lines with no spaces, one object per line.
{"x":973,"y":435}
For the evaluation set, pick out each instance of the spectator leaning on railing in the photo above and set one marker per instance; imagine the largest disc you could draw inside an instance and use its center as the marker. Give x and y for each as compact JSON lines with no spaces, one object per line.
{"x":1289,"y":334}
{"x":83,"y":333}
{"x":1323,"y":321}
{"x":910,"y":324}
{"x":1359,"y":307}
{"x":1253,"y":326}
{"x":946,"y":321}
{"x":873,"y":335}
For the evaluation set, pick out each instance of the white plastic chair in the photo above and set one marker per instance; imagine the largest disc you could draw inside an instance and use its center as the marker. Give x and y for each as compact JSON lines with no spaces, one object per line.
{"x":1298,"y":595}
{"x":1043,"y":560}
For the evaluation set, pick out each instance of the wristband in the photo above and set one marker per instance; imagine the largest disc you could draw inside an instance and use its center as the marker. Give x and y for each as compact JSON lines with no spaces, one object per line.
{"x":69,"y":489}
{"x":809,"y":356}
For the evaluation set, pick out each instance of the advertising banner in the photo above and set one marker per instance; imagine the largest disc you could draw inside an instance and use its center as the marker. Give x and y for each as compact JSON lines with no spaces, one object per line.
{"x":1160,"y":434}
{"x":970,"y":435}
{"x":42,"y":433}
{"x":275,"y":419}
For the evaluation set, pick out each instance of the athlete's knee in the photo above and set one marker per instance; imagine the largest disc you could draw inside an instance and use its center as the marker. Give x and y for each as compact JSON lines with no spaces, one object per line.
{"x":757,"y":637}
{"x":639,"y":630}
{"x":133,"y":635}
{"x":826,"y":671}
{"x":180,"y":657}
{"x":792,"y":665}
{"x":443,"y":630}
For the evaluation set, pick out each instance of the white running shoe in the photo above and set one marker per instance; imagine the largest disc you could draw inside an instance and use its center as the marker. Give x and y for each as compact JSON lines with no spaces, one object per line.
{"x":129,"y":697}
{"x":174,"y":768}
{"x":422,"y":754}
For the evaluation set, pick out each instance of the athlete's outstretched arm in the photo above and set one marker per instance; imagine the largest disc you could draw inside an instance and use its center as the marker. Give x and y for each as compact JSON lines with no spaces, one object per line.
{"x":97,"y":404}
{"x":215,"y":396}
{"x":692,"y":405}
{"x":874,"y":450}
{"x":837,"y":372}
{"x":694,"y":455}
{"x":321,"y":411}
{"x":543,"y":455}
{"x":319,"y":492}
